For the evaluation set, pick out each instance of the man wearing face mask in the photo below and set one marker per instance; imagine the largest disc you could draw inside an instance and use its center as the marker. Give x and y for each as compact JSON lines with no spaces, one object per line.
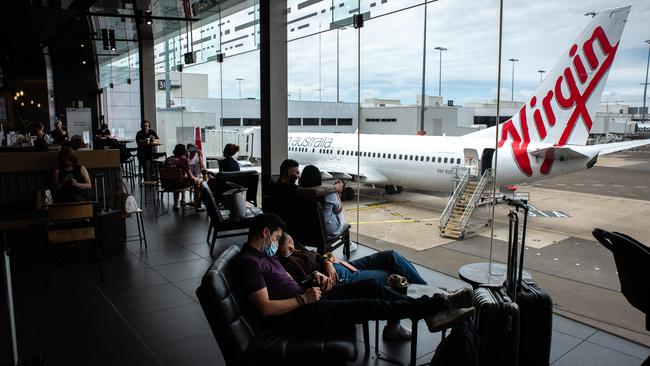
{"x":286,"y":185}
{"x":282,"y":303}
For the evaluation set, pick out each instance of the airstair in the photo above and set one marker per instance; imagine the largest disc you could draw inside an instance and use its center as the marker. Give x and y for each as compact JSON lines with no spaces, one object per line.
{"x":467,"y":209}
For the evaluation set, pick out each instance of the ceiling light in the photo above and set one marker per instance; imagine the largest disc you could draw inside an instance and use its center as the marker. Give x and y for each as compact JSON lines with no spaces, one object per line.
{"x":22,"y":104}
{"x":83,"y":62}
{"x":22,"y":93}
{"x":38,"y":105}
{"x":31,"y":102}
{"x":15,"y":97}
{"x":83,"y":45}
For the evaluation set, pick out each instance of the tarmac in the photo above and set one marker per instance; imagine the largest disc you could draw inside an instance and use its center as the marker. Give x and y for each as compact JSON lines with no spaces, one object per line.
{"x":561,"y":255}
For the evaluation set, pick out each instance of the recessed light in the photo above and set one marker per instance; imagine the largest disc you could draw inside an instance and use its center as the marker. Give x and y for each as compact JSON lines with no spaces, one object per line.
{"x":83,"y":62}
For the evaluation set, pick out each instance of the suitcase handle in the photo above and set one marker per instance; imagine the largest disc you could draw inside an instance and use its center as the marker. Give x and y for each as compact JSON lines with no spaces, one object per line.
{"x":516,"y":265}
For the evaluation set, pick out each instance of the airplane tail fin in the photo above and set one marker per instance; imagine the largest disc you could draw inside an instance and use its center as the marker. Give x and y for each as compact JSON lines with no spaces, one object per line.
{"x":561,"y":110}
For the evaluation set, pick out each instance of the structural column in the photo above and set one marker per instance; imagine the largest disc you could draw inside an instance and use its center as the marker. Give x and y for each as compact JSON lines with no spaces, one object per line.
{"x":273,"y":84}
{"x":146,"y":69}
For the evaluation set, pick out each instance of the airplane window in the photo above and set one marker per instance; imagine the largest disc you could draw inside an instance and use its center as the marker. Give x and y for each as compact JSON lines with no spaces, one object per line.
{"x":416,"y":158}
{"x":411,"y":157}
{"x":427,"y":158}
{"x":356,"y":153}
{"x":400,"y":156}
{"x":394,"y":156}
{"x":458,"y":161}
{"x":421,"y":158}
{"x":439,"y":159}
{"x":445,"y":161}
{"x":384,"y":155}
{"x":373,"y":155}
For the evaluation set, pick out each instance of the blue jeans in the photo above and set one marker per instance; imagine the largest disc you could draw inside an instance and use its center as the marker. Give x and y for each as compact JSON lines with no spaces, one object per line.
{"x":379,"y":266}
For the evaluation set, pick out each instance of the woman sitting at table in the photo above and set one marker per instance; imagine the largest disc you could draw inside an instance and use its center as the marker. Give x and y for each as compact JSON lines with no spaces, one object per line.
{"x":179,"y":160}
{"x":59,"y":135}
{"x":71,"y":180}
{"x":229,"y":164}
{"x":103,"y":132}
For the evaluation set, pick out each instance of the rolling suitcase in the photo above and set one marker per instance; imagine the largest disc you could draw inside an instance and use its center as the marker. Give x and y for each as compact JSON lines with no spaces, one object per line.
{"x":535,"y":305}
{"x":497,"y":323}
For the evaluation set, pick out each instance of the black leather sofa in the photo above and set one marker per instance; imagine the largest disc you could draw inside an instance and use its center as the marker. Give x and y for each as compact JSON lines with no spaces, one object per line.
{"x":243,"y":343}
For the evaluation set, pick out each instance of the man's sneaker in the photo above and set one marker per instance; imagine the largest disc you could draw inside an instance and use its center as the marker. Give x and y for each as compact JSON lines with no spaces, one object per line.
{"x":447,"y":319}
{"x":396,"y":331}
{"x":463,"y":298}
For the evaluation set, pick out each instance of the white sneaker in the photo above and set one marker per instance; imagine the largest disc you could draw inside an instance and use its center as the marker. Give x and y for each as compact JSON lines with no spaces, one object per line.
{"x":447,"y":319}
{"x":396,"y":331}
{"x":353,"y":246}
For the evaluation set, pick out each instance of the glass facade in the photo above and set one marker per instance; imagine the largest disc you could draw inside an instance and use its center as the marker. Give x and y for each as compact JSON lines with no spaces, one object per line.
{"x":403,"y":73}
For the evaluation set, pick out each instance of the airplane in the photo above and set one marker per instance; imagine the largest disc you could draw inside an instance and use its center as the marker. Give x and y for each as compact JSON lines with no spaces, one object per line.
{"x":545,"y":138}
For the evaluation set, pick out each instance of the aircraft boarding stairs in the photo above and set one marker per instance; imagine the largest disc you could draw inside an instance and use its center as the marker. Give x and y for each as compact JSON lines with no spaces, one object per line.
{"x":467,"y":208}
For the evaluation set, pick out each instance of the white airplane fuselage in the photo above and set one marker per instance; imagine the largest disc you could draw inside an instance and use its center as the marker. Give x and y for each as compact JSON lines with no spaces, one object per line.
{"x":391,"y":159}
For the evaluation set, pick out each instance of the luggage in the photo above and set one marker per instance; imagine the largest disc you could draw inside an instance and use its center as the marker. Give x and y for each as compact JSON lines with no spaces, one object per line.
{"x":535,"y":305}
{"x":497,"y":323}
{"x":460,"y":348}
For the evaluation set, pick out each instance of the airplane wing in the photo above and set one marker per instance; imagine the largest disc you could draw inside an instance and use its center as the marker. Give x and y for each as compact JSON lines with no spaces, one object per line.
{"x":605,"y":149}
{"x":340,"y":171}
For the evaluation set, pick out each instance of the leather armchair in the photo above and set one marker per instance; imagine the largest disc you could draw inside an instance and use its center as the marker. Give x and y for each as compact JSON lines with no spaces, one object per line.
{"x":242,"y":342}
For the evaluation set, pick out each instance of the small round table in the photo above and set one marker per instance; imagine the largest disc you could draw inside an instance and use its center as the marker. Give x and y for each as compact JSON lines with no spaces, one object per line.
{"x":486,"y":274}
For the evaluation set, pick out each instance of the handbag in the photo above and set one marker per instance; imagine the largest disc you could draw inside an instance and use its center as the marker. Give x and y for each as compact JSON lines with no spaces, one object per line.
{"x":123,"y":199}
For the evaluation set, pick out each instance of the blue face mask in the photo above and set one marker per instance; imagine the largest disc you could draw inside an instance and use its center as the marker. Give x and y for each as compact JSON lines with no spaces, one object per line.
{"x":270,"y":249}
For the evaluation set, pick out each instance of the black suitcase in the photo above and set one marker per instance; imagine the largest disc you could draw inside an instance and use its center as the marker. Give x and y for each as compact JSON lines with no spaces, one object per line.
{"x":497,"y":323}
{"x":535,"y":305}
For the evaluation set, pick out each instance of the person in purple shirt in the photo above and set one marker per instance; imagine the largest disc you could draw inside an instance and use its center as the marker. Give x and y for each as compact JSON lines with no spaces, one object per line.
{"x":282,"y":303}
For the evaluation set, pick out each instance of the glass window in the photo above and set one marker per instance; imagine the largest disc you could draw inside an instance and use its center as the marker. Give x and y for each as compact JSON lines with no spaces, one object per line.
{"x":231,"y":122}
{"x":344,"y":121}
{"x":310,"y":121}
{"x":328,"y":121}
{"x":252,"y":122}
{"x":295,"y":121}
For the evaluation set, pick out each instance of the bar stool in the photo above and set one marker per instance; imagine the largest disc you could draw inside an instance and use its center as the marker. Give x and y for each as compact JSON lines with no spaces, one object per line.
{"x":141,"y":236}
{"x":150,"y":185}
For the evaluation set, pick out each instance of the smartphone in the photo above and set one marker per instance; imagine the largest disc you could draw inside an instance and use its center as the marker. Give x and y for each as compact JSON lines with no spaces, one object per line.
{"x":309,"y":279}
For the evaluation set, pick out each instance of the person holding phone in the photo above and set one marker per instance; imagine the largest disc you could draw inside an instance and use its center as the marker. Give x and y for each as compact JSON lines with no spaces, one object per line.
{"x":71,"y":180}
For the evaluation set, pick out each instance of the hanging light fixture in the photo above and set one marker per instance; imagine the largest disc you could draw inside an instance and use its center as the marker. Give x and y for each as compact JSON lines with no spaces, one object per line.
{"x":111,"y":38}
{"x":105,"y":38}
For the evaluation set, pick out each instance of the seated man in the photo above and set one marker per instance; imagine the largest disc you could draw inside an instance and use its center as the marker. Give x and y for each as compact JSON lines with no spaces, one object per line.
{"x":300,"y":263}
{"x":286,"y":185}
{"x":282,"y":304}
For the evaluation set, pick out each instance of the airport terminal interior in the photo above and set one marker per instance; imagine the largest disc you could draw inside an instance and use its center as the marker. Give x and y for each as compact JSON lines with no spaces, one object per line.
{"x":141,"y":138}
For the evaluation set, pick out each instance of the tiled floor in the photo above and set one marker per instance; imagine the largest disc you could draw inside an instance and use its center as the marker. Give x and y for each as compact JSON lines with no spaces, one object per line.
{"x":146,"y":312}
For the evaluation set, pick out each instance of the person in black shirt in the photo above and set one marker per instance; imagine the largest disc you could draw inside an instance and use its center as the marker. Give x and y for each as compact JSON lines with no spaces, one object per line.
{"x":145,"y":139}
{"x":71,"y":180}
{"x":103,"y":132}
{"x":285,"y":186}
{"x":229,"y":164}
{"x":59,"y":135}
{"x":40,"y":144}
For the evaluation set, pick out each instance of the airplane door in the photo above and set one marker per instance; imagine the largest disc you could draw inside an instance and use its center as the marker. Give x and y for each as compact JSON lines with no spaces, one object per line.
{"x":487,"y":159}
{"x":471,"y":161}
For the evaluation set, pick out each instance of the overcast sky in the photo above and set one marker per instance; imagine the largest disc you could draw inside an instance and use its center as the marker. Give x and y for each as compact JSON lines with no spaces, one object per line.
{"x":535,"y":32}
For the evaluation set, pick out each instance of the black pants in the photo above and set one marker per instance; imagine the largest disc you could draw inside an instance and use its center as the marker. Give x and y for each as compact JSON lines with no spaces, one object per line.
{"x":354,"y":303}
{"x":146,"y":164}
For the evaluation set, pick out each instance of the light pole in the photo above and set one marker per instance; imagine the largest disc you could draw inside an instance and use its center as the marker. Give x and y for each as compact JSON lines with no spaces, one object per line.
{"x":337,"y":62}
{"x":541,"y":73}
{"x":512,"y":88}
{"x":645,"y":87}
{"x":240,"y":80}
{"x":440,"y":70}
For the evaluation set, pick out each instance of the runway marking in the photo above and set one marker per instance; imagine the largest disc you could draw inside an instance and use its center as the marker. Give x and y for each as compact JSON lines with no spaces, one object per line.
{"x":641,"y":187}
{"x":598,"y":185}
{"x":395,"y":221}
{"x":579,"y":184}
{"x":618,"y":185}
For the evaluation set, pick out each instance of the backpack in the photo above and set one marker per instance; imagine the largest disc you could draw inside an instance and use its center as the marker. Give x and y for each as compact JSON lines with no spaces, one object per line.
{"x":460,"y":348}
